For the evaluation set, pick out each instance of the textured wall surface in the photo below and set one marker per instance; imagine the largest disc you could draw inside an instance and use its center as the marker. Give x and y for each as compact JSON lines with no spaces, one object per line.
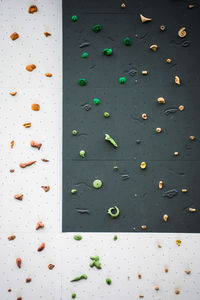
{"x":122,"y":260}
{"x":133,"y":190}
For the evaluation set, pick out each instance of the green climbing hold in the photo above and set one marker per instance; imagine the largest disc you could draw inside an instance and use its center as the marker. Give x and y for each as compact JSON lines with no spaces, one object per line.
{"x":113,"y":215}
{"x":115,"y":237}
{"x":122,"y":80}
{"x":115,"y":168}
{"x":97,"y":184}
{"x":78,"y":237}
{"x":96,"y":257}
{"x":96,"y":101}
{"x":74,"y":132}
{"x":111,"y":140}
{"x":84,"y":276}
{"x":73,"y":191}
{"x":82,"y":81}
{"x":97,"y":28}
{"x":127,"y":41}
{"x":107,"y":51}
{"x":74,"y":18}
{"x":84,"y":55}
{"x":73,"y":296}
{"x":108,"y":281}
{"x":82,"y":153}
{"x":106,"y":115}
{"x":95,"y":262}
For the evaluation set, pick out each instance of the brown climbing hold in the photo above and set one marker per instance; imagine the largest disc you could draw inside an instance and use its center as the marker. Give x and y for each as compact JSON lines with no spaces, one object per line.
{"x":13,"y":93}
{"x":192,"y":210}
{"x":24,"y":165}
{"x":144,"y":19}
{"x":30,"y":67}
{"x":39,"y":225}
{"x":144,"y":116}
{"x":44,"y":159}
{"x":27,"y":125}
{"x":14,"y":36}
{"x":181,"y":107}
{"x":144,"y":226}
{"x":192,"y":137}
{"x":177,"y":80}
{"x":145,"y":72}
{"x":41,"y":247}
{"x":12,"y":143}
{"x":165,"y":217}
{"x":35,"y":145}
{"x":19,"y":262}
{"x":154,"y":47}
{"x":19,"y":197}
{"x":48,"y":74}
{"x":46,"y":188}
{"x":32,"y":9}
{"x":161,"y":100}
{"x":182,"y":33}
{"x":11,"y":237}
{"x":158,"y":129}
{"x":35,"y":107}
{"x":51,"y":266}
{"x":162,"y":28}
{"x":47,"y":34}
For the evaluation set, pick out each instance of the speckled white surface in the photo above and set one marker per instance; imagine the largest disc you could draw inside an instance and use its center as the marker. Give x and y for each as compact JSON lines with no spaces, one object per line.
{"x":121,"y":260}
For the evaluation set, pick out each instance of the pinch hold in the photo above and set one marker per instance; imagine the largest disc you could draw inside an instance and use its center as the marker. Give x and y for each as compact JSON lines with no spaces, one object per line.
{"x":19,"y":262}
{"x":111,"y":140}
{"x":41,"y":247}
{"x":39,"y":225}
{"x":24,"y":165}
{"x":35,"y":145}
{"x":144,"y":19}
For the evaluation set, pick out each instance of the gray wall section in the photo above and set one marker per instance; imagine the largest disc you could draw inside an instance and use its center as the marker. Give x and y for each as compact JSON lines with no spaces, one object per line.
{"x":138,"y":197}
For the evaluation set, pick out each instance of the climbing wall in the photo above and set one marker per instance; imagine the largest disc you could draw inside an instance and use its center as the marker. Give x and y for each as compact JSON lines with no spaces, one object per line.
{"x":139,"y":264}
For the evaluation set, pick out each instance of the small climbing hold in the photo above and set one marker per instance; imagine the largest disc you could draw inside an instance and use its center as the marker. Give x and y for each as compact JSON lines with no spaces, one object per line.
{"x":97,"y":28}
{"x":182,"y":33}
{"x":74,"y":18}
{"x":106,"y":115}
{"x":96,"y":101}
{"x":82,"y":81}
{"x":74,"y":132}
{"x":84,"y":55}
{"x":122,"y":80}
{"x":108,"y":281}
{"x":110,"y":211}
{"x":143,"y":165}
{"x":97,"y":183}
{"x":82,"y":153}
{"x":177,"y":80}
{"x":127,"y":41}
{"x":107,"y":51}
{"x":154,"y":47}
